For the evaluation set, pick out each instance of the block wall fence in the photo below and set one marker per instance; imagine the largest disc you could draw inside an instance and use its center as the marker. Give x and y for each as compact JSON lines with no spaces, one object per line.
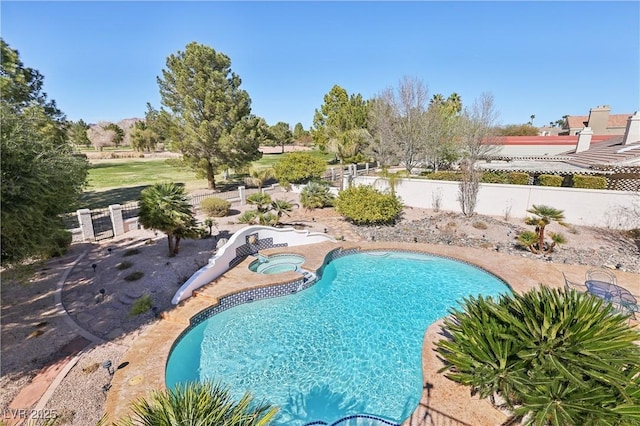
{"x":587,"y":207}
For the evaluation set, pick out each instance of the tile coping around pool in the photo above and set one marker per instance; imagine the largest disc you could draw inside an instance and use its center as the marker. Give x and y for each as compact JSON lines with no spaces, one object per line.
{"x":148,"y":354}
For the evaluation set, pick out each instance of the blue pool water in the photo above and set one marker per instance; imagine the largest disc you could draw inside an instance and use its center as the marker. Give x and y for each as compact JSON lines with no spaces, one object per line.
{"x":350,"y":344}
{"x":277,"y":264}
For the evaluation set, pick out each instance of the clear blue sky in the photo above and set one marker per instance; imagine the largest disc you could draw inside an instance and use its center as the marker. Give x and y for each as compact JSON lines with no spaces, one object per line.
{"x":100,"y":60}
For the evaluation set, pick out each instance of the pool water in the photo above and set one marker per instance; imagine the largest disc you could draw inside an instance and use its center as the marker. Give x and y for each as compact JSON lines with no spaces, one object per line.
{"x":277,"y":264}
{"x":350,"y":344}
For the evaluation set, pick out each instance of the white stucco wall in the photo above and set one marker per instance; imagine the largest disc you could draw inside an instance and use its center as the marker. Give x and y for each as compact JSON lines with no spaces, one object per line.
{"x":587,"y":207}
{"x":219,"y":263}
{"x":533,"y":150}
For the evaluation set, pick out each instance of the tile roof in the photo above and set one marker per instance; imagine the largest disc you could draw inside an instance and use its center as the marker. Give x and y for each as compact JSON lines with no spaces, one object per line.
{"x":545,"y":140}
{"x":577,"y":120}
{"x":609,"y":151}
{"x":618,"y":120}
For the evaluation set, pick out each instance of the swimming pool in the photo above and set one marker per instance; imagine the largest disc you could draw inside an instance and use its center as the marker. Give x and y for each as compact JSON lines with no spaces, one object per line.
{"x":350,"y":344}
{"x":276,"y":264}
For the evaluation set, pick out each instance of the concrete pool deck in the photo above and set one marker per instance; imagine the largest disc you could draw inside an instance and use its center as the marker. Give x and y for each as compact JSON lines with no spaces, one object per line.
{"x":441,"y":399}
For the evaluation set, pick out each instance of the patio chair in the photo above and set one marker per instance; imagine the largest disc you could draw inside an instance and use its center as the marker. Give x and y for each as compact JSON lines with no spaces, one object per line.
{"x":572,"y":285}
{"x":601,"y":275}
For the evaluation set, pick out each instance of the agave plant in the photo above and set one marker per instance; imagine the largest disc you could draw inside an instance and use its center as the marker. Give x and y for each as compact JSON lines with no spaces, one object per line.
{"x":555,"y":358}
{"x":542,"y":216}
{"x":198,"y":404}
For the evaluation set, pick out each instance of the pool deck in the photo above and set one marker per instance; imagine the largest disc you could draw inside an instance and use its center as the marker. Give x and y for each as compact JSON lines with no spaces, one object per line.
{"x":442,"y":400}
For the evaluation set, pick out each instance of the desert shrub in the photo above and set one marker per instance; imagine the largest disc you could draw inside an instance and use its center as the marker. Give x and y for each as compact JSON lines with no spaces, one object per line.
{"x":536,"y":351}
{"x":124,"y":265}
{"x":633,"y":233}
{"x":589,"y":182}
{"x":479,"y":225}
{"x":316,"y":196}
{"x":131,"y":252}
{"x":141,"y":305}
{"x":215,"y":207}
{"x":518,"y":178}
{"x":550,"y":180}
{"x":364,"y":205}
{"x":493,"y":177}
{"x":444,"y":175}
{"x":298,"y":167}
{"x":134,"y":276}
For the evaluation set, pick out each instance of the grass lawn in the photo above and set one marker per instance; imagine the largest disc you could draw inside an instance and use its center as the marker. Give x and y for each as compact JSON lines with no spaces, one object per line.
{"x":120,"y":181}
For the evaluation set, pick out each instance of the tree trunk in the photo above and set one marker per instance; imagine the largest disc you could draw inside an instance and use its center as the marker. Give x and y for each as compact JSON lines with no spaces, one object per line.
{"x":170,"y":241}
{"x":541,"y":239}
{"x":176,"y":248}
{"x":211,"y":176}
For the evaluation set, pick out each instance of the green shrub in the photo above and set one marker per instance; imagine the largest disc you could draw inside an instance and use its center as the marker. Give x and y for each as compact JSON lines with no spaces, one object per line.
{"x":299,"y":167}
{"x":124,"y":265}
{"x":141,"y":305}
{"x":316,"y":196}
{"x":444,"y":175}
{"x":559,"y":358}
{"x":131,"y":252}
{"x":215,"y":207}
{"x":494,"y":177}
{"x":589,"y":182}
{"x":550,"y":180}
{"x":518,"y":178}
{"x":364,"y":205}
{"x":60,"y":242}
{"x":134,"y":276}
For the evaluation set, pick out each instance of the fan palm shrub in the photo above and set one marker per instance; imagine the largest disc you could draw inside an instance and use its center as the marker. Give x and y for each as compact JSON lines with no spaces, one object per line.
{"x":542,"y":216}
{"x":316,"y":195}
{"x":165,"y":207}
{"x":198,"y":404}
{"x":554,"y":357}
{"x":258,"y":176}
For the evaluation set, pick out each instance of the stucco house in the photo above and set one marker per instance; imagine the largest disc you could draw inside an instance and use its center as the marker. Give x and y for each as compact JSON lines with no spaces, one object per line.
{"x":600,"y":120}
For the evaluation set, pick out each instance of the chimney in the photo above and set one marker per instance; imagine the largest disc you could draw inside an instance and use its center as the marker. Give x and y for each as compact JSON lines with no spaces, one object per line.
{"x":599,"y":119}
{"x":632,"y":133}
{"x":584,"y":140}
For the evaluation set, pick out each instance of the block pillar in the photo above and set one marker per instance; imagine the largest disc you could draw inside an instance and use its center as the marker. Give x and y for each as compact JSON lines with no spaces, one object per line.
{"x":86,"y":225}
{"x":243,"y":195}
{"x":115,"y":210}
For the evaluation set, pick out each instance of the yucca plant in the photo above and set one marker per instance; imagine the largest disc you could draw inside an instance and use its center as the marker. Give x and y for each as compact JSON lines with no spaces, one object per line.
{"x":542,"y":216}
{"x":198,"y":404}
{"x":555,"y":358}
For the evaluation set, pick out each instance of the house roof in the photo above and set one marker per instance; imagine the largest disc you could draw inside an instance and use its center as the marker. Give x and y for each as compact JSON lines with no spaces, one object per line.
{"x":606,"y":152}
{"x":577,"y":120}
{"x":615,"y":120}
{"x":545,"y":140}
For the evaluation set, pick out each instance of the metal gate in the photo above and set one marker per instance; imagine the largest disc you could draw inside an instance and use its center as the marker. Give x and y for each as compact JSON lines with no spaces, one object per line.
{"x":102,"y":226}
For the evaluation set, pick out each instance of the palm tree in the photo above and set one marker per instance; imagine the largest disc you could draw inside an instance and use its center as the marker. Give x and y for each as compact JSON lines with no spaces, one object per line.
{"x":316,"y":196}
{"x":165,"y":207}
{"x":198,"y":404}
{"x":532,"y":117}
{"x":543,"y":216}
{"x":554,"y":357}
{"x":281,"y":207}
{"x":258,"y":177}
{"x":437,"y":99}
{"x":455,"y":102}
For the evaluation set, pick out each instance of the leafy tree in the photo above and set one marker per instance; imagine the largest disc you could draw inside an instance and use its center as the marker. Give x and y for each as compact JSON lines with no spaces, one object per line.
{"x":299,"y":132}
{"x":143,"y":137}
{"x":542,"y":216}
{"x":316,"y":195}
{"x":118,"y":134}
{"x":340,"y":126}
{"x":517,"y":130}
{"x":281,"y":134}
{"x":365,"y":205}
{"x":298,"y":167}
{"x":202,"y":404}
{"x":42,"y":177}
{"x":554,"y":357}
{"x":165,"y":207}
{"x":77,"y":133}
{"x":210,"y":116}
{"x":400,"y":121}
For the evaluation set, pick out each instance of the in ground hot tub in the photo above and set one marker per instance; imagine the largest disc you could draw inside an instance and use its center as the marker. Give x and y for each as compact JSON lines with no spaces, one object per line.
{"x":277,"y":263}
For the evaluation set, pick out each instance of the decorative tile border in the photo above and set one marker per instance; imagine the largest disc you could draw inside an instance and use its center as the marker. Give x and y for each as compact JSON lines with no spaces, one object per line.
{"x":249,"y":248}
